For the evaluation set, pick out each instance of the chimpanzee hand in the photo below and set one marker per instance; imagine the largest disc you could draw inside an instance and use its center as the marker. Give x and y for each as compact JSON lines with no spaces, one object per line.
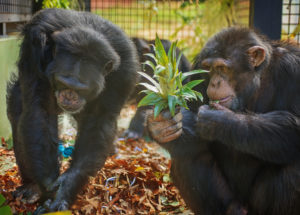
{"x":164,"y":128}
{"x":212,"y":120}
{"x":59,"y":203}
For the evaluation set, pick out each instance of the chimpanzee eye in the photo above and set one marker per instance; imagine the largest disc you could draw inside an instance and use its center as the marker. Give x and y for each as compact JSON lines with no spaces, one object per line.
{"x":205,"y":65}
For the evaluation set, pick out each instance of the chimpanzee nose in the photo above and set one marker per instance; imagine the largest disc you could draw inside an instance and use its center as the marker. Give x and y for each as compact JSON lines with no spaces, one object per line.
{"x":70,"y":82}
{"x":215,"y":82}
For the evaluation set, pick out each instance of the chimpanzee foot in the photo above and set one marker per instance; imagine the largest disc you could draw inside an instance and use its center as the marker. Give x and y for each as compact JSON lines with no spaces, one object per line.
{"x":29,"y":193}
{"x":50,"y":206}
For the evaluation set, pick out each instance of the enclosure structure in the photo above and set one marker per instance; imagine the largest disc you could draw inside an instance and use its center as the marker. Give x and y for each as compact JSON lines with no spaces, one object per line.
{"x":13,"y":12}
{"x":146,"y":18}
{"x":291,"y":20}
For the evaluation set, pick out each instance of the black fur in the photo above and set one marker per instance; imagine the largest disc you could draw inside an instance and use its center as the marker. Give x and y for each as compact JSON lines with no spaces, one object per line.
{"x":249,"y":159}
{"x":82,"y":52}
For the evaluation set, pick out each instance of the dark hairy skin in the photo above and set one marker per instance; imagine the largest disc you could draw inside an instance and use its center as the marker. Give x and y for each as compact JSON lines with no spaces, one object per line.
{"x":240,"y":155}
{"x":137,"y":124}
{"x":73,"y":62}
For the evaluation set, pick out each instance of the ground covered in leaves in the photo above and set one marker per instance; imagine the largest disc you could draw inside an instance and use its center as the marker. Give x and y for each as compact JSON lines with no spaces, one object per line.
{"x":135,"y":180}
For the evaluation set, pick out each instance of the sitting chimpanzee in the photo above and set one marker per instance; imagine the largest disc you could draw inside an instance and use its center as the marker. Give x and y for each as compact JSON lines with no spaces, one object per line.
{"x":71,"y":62}
{"x":137,"y":123}
{"x":240,"y":154}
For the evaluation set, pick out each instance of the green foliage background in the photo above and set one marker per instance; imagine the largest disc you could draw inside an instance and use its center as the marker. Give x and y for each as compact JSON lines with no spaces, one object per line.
{"x":210,"y":17}
{"x":66,"y":4}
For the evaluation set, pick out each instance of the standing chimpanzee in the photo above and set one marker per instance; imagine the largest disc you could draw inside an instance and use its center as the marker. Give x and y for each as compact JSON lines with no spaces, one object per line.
{"x":137,"y":123}
{"x":240,"y":154}
{"x":73,"y":62}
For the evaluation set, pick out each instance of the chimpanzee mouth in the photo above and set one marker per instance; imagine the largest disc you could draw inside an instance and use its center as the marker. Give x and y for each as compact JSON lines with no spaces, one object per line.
{"x":226,"y":101}
{"x":69,"y":101}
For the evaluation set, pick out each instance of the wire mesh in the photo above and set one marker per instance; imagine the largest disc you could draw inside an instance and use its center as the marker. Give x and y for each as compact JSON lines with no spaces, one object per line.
{"x":15,"y":6}
{"x":290,"y":20}
{"x":145,"y":18}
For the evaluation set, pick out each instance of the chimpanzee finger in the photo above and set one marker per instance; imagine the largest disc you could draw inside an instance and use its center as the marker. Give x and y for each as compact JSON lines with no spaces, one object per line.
{"x":167,"y":134}
{"x":39,"y":210}
{"x":178,"y":117}
{"x":156,"y":128}
{"x":203,"y":108}
{"x":171,"y":137}
{"x":171,"y":129}
{"x":59,"y":205}
{"x":163,"y":116}
{"x":219,"y":107}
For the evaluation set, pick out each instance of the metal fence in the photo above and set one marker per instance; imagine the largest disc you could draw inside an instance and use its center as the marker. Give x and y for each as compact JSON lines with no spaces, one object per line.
{"x":290,"y":20}
{"x":15,"y":6}
{"x":144,"y":19}
{"x":13,"y":11}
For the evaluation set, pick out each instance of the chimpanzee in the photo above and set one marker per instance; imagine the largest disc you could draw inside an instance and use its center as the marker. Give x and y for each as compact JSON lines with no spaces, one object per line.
{"x":73,"y":62}
{"x":240,"y":154}
{"x":137,"y":123}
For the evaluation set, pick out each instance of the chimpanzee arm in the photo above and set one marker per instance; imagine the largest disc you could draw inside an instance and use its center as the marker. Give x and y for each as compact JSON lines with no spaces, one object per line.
{"x":273,"y":136}
{"x":93,"y":145}
{"x":38,"y":136}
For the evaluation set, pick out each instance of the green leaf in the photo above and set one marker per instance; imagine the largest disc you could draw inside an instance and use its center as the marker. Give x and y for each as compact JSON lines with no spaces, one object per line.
{"x":172,"y":101}
{"x":192,"y":84}
{"x":188,"y":93}
{"x":160,"y":52}
{"x":159,"y":107}
{"x":146,"y":91}
{"x":150,"y":79}
{"x":158,"y":70}
{"x":152,"y":56}
{"x":174,"y":204}
{"x":186,"y":74}
{"x":170,"y":70}
{"x":2,"y":199}
{"x":5,"y":210}
{"x":178,"y":61}
{"x":149,"y":99}
{"x":199,"y":95}
{"x":150,"y":87}
{"x":150,"y":64}
{"x":172,"y":53}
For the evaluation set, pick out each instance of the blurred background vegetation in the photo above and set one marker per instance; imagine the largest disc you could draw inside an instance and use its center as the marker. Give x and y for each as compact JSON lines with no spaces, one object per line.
{"x":190,"y":22}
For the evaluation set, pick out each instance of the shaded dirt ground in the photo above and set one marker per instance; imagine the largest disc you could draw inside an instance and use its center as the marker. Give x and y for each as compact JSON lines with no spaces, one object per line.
{"x":135,"y":180}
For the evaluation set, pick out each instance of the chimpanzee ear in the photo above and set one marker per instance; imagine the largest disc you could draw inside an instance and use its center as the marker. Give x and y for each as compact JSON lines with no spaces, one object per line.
{"x":144,"y":47}
{"x":112,"y":63}
{"x":53,"y":35}
{"x":109,"y":67}
{"x":257,"y":55}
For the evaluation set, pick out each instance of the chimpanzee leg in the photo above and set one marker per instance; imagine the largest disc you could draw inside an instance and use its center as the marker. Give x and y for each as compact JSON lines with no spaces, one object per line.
{"x":203,"y":186}
{"x":196,"y":174}
{"x":137,"y":124}
{"x":276,"y":192}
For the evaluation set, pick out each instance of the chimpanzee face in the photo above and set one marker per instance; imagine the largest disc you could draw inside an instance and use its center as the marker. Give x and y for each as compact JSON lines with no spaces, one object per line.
{"x":234,"y":70}
{"x":76,"y":80}
{"x":81,"y":60}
